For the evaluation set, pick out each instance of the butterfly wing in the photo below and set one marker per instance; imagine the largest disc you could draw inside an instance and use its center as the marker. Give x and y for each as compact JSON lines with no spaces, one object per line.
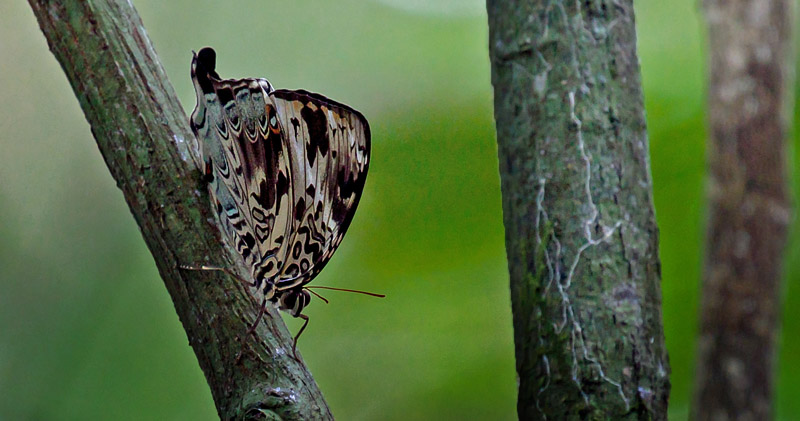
{"x":329,"y":145}
{"x":287,"y":167}
{"x":251,"y":168}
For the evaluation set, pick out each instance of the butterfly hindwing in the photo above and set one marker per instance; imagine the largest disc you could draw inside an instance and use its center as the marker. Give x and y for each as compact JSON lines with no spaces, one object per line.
{"x":249,"y":169}
{"x":265,"y":174}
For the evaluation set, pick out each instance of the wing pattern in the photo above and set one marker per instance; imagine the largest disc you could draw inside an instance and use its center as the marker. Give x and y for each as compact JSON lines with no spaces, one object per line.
{"x":331,"y":143}
{"x":287,"y":169}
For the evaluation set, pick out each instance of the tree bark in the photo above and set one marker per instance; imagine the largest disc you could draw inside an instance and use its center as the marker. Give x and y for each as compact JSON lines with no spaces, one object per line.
{"x":144,"y":137}
{"x":581,"y":235}
{"x":749,"y":92}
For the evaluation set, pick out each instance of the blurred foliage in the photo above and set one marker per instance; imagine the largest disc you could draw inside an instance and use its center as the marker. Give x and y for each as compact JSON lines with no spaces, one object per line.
{"x":87,"y":331}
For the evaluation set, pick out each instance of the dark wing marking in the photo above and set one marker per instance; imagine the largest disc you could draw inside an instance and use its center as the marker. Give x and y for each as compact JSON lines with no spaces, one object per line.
{"x":330,"y":148}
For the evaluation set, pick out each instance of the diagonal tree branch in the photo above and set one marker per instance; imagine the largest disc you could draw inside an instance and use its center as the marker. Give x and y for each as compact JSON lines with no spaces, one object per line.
{"x":144,"y":137}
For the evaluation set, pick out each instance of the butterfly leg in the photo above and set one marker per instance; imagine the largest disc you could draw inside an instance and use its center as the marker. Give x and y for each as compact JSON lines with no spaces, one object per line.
{"x":260,"y":315}
{"x":296,"y":337}
{"x":252,"y":329}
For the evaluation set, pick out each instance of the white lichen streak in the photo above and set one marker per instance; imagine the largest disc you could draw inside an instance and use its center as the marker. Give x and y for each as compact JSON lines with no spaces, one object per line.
{"x":580,"y":350}
{"x":546,"y":384}
{"x":181,"y":150}
{"x":556,"y":257}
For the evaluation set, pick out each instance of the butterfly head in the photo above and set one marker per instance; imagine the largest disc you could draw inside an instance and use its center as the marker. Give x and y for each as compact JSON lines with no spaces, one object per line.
{"x":294,"y":300}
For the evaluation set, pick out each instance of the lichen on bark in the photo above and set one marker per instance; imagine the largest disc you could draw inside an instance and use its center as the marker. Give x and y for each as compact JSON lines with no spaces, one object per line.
{"x":581,"y":236}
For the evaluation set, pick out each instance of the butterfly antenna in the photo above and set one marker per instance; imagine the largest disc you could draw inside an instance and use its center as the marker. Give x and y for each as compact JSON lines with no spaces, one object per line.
{"x":372,"y":294}
{"x":219,"y":269}
{"x":318,"y":296}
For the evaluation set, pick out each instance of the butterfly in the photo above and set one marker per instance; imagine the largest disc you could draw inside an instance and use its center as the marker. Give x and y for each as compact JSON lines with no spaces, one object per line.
{"x":285,"y":172}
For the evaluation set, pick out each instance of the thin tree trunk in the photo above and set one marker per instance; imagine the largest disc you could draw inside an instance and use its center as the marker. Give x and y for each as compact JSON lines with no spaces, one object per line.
{"x":749,"y":90}
{"x":143,"y":134}
{"x":581,"y":235}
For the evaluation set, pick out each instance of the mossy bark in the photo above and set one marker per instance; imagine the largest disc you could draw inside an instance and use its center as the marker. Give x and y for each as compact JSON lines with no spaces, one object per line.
{"x":144,"y":136}
{"x":751,"y":72}
{"x":581,"y":234}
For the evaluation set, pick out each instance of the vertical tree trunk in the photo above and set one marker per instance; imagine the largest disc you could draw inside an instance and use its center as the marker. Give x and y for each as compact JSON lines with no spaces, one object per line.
{"x":581,"y":235}
{"x":144,"y":137}
{"x":750,"y":86}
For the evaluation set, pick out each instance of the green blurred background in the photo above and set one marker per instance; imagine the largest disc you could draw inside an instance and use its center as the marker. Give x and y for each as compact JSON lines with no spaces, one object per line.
{"x":87,"y":329}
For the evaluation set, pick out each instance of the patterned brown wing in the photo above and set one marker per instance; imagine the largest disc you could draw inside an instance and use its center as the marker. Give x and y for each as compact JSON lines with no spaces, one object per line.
{"x":250,"y":165}
{"x":330,"y":147}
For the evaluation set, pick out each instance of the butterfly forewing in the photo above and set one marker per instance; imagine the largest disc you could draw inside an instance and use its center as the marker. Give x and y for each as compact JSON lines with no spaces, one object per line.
{"x":330,"y":145}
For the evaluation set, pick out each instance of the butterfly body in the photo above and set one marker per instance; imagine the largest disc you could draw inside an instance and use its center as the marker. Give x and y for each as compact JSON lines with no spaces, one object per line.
{"x":286,"y":171}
